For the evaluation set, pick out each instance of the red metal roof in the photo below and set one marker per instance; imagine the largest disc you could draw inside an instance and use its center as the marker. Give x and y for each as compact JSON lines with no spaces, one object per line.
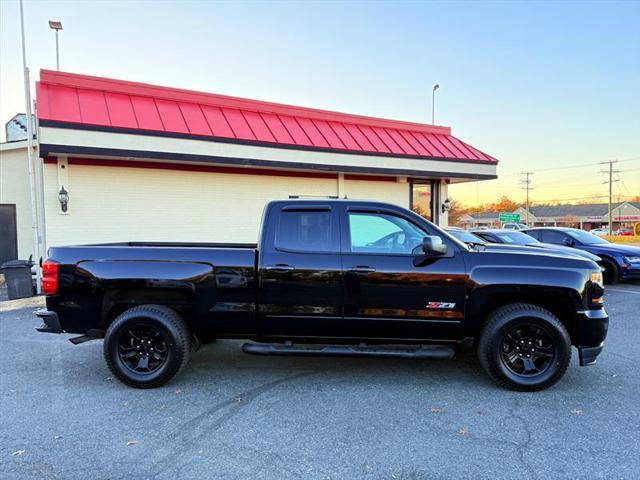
{"x":94,"y":102}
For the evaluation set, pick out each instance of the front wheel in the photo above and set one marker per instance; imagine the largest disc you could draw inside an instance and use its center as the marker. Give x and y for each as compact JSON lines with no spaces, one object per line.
{"x":524,"y":347}
{"x":147,"y":346}
{"x":610,"y":274}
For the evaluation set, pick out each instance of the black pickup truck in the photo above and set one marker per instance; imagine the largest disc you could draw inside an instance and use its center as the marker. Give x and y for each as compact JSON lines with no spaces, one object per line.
{"x":330,"y":277}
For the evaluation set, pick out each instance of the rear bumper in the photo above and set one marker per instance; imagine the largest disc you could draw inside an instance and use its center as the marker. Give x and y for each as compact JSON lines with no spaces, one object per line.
{"x":51,"y":322}
{"x":592,"y":331}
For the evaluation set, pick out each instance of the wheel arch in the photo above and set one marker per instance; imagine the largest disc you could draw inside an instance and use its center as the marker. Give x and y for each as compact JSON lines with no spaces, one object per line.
{"x":563,"y":303}
{"x":118,"y":300}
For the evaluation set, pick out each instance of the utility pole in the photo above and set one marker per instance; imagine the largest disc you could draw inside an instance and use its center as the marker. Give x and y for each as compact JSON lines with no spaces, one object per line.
{"x":611,"y":171}
{"x":526,"y":185}
{"x":30,"y":160}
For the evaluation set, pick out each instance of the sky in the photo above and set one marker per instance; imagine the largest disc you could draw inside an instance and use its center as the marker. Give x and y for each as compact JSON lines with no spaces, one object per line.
{"x":548,"y":87}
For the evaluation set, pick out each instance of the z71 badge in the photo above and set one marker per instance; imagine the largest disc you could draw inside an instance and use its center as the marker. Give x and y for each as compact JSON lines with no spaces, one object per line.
{"x":441,"y":305}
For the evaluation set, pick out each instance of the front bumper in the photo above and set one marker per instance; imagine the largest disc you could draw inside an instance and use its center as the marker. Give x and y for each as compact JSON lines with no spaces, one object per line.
{"x":631,"y":271}
{"x":51,"y":321}
{"x":588,"y":355}
{"x":592,"y":331}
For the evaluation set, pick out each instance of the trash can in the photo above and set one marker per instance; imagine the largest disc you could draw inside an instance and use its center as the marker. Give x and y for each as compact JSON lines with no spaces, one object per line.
{"x":17,"y":274}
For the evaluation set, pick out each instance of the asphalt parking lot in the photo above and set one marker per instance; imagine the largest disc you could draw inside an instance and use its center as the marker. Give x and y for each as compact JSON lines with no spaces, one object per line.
{"x":235,"y":416}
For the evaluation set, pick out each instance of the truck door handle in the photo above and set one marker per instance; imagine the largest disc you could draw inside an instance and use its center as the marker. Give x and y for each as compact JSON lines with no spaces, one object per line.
{"x":281,"y":267}
{"x":361,"y":269}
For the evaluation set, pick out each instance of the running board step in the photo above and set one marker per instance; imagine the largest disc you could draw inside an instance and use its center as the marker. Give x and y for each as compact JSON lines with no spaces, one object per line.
{"x":434,"y":352}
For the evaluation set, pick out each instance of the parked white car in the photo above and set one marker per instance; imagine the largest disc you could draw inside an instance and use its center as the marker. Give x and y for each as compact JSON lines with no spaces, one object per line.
{"x":600,"y":231}
{"x":514,"y":226}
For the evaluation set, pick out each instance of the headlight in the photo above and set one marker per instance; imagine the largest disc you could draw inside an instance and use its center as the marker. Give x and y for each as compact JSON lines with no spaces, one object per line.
{"x":633,"y":259}
{"x":595,"y":291}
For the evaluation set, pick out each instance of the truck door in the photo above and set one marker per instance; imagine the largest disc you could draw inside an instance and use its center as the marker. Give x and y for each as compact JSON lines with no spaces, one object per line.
{"x":386,"y":294}
{"x":300,"y":292}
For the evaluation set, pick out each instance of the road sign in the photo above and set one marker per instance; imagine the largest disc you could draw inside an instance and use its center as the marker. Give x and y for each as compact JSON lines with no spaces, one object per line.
{"x":509,"y":217}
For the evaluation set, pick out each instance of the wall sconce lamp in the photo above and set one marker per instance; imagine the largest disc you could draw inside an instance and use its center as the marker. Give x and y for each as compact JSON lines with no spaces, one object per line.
{"x":446,"y":205}
{"x":63,"y":198}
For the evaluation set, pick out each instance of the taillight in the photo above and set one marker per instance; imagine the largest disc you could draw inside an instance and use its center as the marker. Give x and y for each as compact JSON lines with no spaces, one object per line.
{"x":49,"y":277}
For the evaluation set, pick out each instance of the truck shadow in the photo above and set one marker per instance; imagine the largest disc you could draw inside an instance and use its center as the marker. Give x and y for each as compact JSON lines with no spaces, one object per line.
{"x":226,"y":358}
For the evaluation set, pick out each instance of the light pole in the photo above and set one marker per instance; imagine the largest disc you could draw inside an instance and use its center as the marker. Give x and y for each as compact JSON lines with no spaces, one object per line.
{"x":57,"y":26}
{"x":433,"y":103}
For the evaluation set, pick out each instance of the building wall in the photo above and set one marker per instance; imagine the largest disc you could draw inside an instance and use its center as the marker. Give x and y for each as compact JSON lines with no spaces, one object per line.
{"x":14,"y":189}
{"x":109,"y":204}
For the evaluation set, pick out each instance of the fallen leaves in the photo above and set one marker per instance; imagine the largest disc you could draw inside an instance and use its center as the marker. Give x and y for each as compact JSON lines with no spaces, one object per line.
{"x":436,"y":410}
{"x":576,"y":411}
{"x":463,"y":431}
{"x":163,"y":407}
{"x":178,"y":391}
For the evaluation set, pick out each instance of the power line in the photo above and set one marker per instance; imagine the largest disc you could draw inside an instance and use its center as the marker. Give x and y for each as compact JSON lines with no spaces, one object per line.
{"x":578,"y":165}
{"x":577,"y":198}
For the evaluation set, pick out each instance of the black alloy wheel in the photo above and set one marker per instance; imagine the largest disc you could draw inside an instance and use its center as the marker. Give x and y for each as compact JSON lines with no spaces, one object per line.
{"x":527,"y":350}
{"x":142,"y":348}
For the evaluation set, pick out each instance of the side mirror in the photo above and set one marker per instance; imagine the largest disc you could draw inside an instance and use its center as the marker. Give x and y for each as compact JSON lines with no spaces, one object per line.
{"x":569,"y":243}
{"x":432,"y":245}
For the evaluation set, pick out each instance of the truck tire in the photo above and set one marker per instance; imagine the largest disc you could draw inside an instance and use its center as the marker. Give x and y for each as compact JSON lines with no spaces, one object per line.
{"x":524,"y":347}
{"x":146,"y":346}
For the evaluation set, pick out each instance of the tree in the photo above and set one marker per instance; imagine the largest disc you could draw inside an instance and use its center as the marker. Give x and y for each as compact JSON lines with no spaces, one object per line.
{"x":456,"y":210}
{"x":504,"y":204}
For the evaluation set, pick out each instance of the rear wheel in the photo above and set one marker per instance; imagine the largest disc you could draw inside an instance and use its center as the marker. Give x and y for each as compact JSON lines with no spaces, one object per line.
{"x":610,"y":274}
{"x":147,"y":346}
{"x":524,"y":347}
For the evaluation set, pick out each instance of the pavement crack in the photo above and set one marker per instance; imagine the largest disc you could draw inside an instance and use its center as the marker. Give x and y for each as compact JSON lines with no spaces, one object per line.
{"x":189,"y":434}
{"x":522,"y":448}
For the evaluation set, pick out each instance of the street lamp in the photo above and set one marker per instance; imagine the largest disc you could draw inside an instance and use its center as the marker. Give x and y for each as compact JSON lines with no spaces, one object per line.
{"x":57,"y":26}
{"x":433,"y":103}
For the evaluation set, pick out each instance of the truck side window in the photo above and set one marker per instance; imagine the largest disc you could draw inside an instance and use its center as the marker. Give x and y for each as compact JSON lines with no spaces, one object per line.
{"x":306,"y":231}
{"x":383,"y":233}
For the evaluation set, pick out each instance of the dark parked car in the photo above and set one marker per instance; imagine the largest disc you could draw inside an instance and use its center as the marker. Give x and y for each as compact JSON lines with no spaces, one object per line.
{"x":465,"y":236}
{"x":619,"y":261}
{"x":513,"y":237}
{"x":329,"y":277}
